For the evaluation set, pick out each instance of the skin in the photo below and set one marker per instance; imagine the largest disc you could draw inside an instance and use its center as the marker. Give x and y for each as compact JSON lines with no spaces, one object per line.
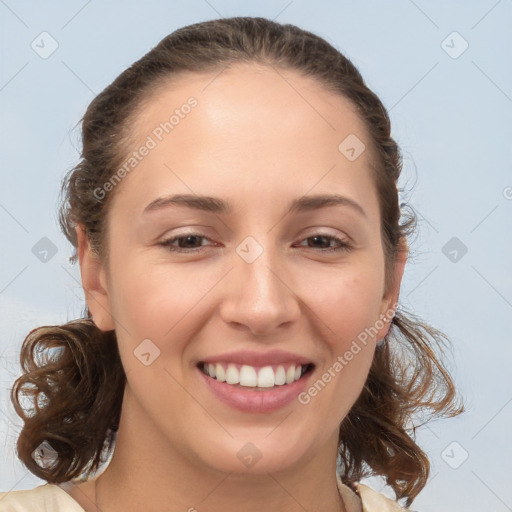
{"x":257,"y":143}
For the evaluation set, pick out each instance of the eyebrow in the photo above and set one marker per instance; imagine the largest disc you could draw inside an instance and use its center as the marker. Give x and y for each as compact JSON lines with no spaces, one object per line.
{"x":219,"y":206}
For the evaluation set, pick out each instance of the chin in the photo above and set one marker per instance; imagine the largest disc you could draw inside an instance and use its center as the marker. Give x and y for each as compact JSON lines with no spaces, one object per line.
{"x":256,"y":455}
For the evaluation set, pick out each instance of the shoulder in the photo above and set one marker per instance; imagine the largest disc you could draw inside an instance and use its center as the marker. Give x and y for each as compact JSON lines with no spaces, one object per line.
{"x":375,"y":501}
{"x":365,"y":499}
{"x":51,"y":498}
{"x":45,"y":498}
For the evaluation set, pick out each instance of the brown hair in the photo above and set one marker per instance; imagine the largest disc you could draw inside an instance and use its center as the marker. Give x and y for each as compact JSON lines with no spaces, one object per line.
{"x":76,"y":388}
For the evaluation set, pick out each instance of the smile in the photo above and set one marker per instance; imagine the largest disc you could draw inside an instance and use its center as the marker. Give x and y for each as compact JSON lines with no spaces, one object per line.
{"x":255,"y":377}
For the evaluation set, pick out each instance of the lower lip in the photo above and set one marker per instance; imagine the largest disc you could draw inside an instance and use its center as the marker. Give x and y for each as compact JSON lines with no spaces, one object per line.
{"x":249,"y":400}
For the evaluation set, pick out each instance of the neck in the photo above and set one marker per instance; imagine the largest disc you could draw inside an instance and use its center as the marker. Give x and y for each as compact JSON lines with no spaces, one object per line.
{"x":147,"y":473}
{"x":270,"y":494}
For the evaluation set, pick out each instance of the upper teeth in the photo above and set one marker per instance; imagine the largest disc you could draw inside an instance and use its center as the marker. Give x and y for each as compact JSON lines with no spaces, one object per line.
{"x":250,"y":376}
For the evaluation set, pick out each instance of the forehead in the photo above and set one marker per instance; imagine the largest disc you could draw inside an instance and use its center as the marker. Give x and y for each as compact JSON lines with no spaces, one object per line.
{"x":258,"y":97}
{"x":252,"y":127}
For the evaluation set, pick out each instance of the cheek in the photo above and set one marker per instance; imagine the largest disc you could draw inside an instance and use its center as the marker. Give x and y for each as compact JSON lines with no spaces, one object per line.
{"x":346,"y":306}
{"x":153,"y":300}
{"x":169,"y":303}
{"x":161,"y":302}
{"x":346,"y":303}
{"x":346,"y":300}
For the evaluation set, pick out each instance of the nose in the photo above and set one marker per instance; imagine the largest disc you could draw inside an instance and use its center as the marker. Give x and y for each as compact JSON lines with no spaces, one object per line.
{"x":260,"y":296}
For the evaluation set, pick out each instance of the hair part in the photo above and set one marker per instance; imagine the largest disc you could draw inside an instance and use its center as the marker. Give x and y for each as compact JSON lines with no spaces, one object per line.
{"x":82,"y":386}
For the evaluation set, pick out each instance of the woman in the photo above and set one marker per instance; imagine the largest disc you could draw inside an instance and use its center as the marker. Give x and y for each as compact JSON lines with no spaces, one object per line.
{"x":235,"y":216}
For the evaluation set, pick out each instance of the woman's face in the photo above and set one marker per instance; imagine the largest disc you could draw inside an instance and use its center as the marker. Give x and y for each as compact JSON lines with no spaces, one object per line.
{"x":255,"y":272}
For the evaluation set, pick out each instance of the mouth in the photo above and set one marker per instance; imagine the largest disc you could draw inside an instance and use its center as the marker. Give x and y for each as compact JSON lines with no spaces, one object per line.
{"x":256,"y":378}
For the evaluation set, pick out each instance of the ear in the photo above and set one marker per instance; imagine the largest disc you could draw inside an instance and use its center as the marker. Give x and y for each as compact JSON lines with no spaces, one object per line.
{"x":94,"y":282}
{"x":390,"y":298}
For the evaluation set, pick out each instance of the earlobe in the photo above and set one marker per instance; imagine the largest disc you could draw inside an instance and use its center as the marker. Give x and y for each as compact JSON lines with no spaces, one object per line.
{"x":390,"y":300}
{"x":93,"y":282}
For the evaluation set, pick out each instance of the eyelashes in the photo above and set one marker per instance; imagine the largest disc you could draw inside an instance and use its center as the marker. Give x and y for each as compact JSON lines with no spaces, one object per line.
{"x":168,"y":243}
{"x":343,"y":245}
{"x":190,"y":238}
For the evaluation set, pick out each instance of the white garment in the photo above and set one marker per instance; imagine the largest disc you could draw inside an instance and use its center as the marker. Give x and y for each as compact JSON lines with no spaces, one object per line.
{"x":51,"y":498}
{"x":44,"y":498}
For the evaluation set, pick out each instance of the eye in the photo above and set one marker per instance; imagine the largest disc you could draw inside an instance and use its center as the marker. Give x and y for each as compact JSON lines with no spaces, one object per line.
{"x":322,"y":242}
{"x":191,"y":243}
{"x":187,"y":242}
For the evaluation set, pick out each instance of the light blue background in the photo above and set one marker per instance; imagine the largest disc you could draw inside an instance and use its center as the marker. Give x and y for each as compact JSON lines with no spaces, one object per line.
{"x":452,"y":118}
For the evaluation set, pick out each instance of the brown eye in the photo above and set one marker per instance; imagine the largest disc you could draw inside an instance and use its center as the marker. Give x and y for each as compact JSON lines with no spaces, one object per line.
{"x":189,"y":242}
{"x":323,"y":242}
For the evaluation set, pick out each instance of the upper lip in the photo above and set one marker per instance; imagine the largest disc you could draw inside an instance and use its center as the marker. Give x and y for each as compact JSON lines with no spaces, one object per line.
{"x":250,"y":358}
